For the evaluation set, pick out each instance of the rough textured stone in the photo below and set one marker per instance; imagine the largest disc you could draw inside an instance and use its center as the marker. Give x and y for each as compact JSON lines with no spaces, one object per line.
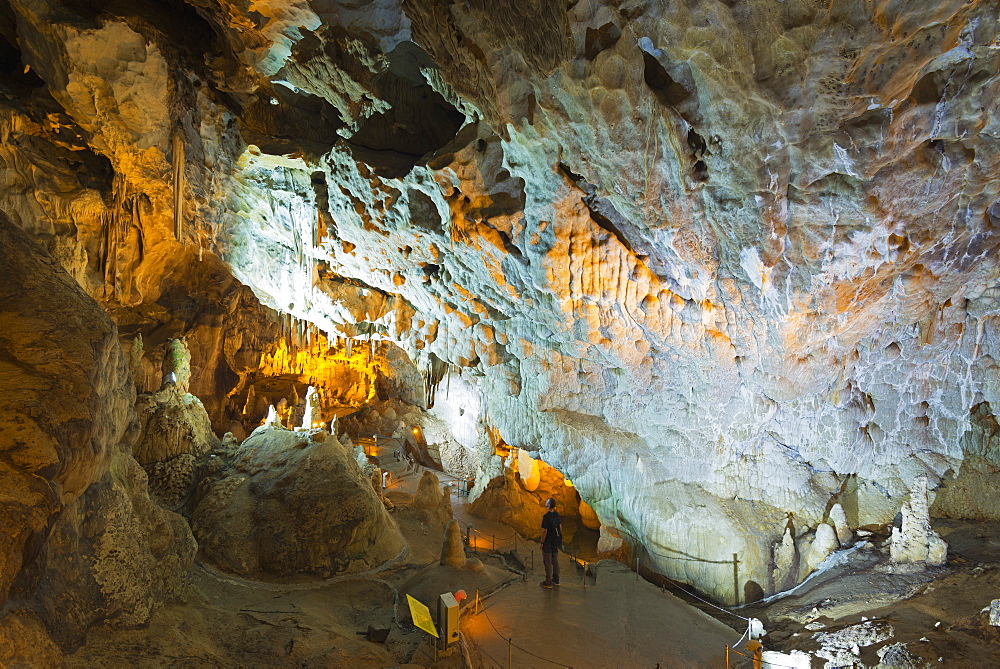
{"x":81,"y":540}
{"x":506,"y":500}
{"x":24,"y":642}
{"x":453,"y":550}
{"x":915,"y":542}
{"x":114,"y":556}
{"x":172,"y":423}
{"x":293,"y":503}
{"x":733,"y":257}
{"x":66,"y":392}
{"x":897,"y":656}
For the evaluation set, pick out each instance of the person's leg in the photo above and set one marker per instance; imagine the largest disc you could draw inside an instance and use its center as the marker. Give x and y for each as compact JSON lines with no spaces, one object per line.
{"x":547,"y":561}
{"x":555,"y":567}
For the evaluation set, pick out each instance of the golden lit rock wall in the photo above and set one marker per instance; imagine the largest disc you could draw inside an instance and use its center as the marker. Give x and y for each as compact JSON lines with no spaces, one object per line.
{"x":80,"y":539}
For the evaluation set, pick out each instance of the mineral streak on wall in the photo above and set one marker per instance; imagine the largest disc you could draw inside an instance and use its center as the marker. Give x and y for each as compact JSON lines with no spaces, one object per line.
{"x":715,"y":262}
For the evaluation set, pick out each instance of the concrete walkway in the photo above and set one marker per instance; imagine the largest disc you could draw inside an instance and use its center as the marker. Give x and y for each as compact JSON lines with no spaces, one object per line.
{"x":615,"y":621}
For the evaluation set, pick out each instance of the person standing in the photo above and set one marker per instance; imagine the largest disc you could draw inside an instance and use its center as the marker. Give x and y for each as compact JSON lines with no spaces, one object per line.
{"x":551,"y":543}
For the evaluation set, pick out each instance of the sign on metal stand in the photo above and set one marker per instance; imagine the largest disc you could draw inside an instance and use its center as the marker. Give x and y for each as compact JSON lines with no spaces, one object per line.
{"x":421,"y":616}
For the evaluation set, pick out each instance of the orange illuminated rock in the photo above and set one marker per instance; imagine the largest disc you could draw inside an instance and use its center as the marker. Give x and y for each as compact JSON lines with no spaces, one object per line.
{"x":75,"y":512}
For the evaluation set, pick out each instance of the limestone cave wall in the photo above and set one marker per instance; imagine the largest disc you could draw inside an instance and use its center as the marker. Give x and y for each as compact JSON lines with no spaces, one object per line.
{"x":716,"y":262}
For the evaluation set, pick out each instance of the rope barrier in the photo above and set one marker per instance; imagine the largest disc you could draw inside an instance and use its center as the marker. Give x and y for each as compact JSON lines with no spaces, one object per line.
{"x":705,"y":600}
{"x":488,"y":536}
{"x":745,"y":634}
{"x":511,"y":642}
{"x":492,"y":659}
{"x":686,"y":557}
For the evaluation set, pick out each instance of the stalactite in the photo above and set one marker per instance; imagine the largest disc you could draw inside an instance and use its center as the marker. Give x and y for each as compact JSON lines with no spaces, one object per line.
{"x":116,"y":221}
{"x":435,"y":372}
{"x":177,"y":164}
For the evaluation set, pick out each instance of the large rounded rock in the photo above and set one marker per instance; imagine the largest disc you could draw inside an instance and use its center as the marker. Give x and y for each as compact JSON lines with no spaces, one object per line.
{"x":294,"y":503}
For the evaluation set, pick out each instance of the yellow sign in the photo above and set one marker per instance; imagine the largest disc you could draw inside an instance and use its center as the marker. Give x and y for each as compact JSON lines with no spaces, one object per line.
{"x":421,"y":616}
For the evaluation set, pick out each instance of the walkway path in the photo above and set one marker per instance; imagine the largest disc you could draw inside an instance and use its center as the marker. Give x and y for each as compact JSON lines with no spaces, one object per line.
{"x":615,"y":621}
{"x":618,"y":622}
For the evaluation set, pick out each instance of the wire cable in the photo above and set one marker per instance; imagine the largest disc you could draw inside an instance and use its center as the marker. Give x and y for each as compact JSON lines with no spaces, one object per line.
{"x":686,"y":558}
{"x":511,"y":642}
{"x":705,"y":600}
{"x":490,"y":535}
{"x":483,"y":651}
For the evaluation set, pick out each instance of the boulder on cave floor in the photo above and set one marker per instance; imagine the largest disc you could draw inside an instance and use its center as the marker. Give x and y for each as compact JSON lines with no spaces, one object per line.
{"x":113,"y":556}
{"x":293,"y":503}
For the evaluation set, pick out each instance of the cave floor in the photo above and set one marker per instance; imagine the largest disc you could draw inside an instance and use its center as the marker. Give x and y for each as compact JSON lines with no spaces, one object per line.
{"x":226,"y":621}
{"x":615,"y":620}
{"x":603,"y":617}
{"x":937,"y":613}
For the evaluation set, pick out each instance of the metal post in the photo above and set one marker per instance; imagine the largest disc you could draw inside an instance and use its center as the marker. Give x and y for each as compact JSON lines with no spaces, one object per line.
{"x":736,"y":579}
{"x":493,"y":542}
{"x":637,"y":569}
{"x":584,"y":575}
{"x":727,"y":656}
{"x":510,"y":651}
{"x":477,"y":601}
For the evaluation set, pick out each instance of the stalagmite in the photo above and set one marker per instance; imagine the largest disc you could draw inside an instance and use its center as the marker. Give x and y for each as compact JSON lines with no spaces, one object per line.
{"x":177,"y":173}
{"x":839,"y":520}
{"x":453,"y":551}
{"x":915,"y":543}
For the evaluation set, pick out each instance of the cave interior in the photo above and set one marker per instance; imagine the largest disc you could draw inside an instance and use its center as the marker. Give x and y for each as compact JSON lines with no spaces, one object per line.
{"x":308,"y":307}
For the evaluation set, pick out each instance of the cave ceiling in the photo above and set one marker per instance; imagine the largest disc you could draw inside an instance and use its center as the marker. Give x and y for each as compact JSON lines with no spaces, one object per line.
{"x":694,"y":253}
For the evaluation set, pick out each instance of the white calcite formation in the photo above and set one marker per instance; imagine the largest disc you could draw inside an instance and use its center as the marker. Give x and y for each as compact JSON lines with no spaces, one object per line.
{"x":715,"y":262}
{"x":838,"y":518}
{"x":786,"y":563}
{"x":843,"y":647}
{"x":313,"y":415}
{"x":823,"y":543}
{"x":914,"y":542}
{"x":608,"y":542}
